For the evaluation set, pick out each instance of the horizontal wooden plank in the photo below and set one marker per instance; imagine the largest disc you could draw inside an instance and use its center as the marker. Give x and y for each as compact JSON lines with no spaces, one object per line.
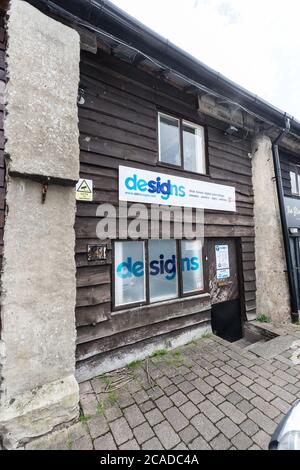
{"x":92,"y":276}
{"x":93,"y":295}
{"x":101,"y":183}
{"x":248,"y":256}
{"x":249,"y":275}
{"x":248,"y":239}
{"x":103,"y":91}
{"x":84,"y":351}
{"x":116,"y":110}
{"x":222,"y":152}
{"x":86,"y":227}
{"x":219,"y":231}
{"x":245,"y":211}
{"x":230,"y":177}
{"x":105,"y":85}
{"x":251,"y":295}
{"x":112,"y":149}
{"x":250,"y":305}
{"x":91,"y":210}
{"x":248,"y":247}
{"x":92,"y":128}
{"x":97,"y":170}
{"x":247,"y":265}
{"x":139,"y":317}
{"x":236,"y":145}
{"x":233,"y":167}
{"x":116,"y":122}
{"x":93,"y":314}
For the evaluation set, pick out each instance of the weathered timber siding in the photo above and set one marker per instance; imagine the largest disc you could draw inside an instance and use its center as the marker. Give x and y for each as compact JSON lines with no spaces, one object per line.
{"x":2,"y":163}
{"x":118,"y":126}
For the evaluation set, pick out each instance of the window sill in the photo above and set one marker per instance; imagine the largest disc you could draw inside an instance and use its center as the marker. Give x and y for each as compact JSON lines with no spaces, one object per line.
{"x":203,"y":296}
{"x":182,"y":170}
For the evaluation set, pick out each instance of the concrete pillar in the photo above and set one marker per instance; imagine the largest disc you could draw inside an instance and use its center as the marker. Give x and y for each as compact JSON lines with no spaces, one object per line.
{"x":38,"y":389}
{"x":271,"y":278}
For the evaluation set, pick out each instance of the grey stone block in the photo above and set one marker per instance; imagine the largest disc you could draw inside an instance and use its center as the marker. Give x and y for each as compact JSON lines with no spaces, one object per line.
{"x":166,"y":435}
{"x":121,"y":431}
{"x":228,"y":428}
{"x":205,"y":427}
{"x":105,"y":442}
{"x":143,"y":433}
{"x":176,"y":418}
{"x":220,"y":443}
{"x":134,"y":416}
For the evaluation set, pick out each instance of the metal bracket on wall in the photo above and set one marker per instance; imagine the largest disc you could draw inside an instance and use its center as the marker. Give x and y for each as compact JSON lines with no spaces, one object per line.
{"x":45,"y":190}
{"x":80,"y":98}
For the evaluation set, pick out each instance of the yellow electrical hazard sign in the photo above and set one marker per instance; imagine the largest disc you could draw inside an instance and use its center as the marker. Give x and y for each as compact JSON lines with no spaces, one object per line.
{"x":84,"y":190}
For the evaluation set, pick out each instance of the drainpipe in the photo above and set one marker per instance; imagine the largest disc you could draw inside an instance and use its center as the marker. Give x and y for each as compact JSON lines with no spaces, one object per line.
{"x":285,"y":229}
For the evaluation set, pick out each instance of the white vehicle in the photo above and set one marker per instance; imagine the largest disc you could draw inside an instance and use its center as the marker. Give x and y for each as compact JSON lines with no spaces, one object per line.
{"x":287,"y":435}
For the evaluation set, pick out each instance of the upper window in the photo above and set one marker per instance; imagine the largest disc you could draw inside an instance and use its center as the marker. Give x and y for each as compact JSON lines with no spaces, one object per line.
{"x":295,"y":180}
{"x":169,"y":140}
{"x":182,"y":144}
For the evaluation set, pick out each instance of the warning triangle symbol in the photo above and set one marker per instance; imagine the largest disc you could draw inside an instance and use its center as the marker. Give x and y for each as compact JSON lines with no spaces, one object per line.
{"x":84,"y":188}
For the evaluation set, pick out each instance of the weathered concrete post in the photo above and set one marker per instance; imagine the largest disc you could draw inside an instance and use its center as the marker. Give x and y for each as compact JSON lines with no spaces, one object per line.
{"x":271,"y":278}
{"x":38,"y":390}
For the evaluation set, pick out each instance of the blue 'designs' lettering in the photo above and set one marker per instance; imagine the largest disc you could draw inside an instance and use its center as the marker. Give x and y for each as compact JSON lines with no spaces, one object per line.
{"x":166,"y":267}
{"x":165,"y":189}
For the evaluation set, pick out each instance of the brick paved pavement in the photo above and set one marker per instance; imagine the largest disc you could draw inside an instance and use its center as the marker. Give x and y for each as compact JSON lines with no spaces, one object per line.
{"x":207,"y":395}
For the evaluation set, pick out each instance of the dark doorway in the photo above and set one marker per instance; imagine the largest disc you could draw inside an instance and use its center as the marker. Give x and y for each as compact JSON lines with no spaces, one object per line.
{"x":222,"y":257}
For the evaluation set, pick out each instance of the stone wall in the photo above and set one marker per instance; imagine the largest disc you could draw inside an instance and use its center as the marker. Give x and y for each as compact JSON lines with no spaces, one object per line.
{"x":272,"y":294}
{"x":37,"y":346}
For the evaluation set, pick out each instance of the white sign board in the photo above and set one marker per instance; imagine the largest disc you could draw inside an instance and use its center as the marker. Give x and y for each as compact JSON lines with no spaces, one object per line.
{"x":222,"y":262}
{"x":84,"y":190}
{"x":223,"y":274}
{"x":149,"y":187}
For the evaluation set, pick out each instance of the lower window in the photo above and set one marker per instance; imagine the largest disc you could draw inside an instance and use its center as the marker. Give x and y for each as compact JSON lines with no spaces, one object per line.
{"x":130,"y":286}
{"x":151,"y":271}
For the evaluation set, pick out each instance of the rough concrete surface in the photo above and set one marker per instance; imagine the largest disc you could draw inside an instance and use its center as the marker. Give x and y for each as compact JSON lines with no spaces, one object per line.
{"x":38,"y":287}
{"x":272,"y":348}
{"x":36,"y":412}
{"x":41,"y":126}
{"x":272,"y":296}
{"x":38,"y":390}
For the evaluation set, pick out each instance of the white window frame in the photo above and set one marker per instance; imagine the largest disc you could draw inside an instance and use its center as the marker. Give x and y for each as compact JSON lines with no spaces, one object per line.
{"x":168,"y":116}
{"x":181,"y":123}
{"x":128,"y":304}
{"x":203,"y":150}
{"x":147,"y":302}
{"x":296,"y":170}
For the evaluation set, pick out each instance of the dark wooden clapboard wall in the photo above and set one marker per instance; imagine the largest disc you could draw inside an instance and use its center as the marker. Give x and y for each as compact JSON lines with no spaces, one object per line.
{"x":2,"y":165}
{"x":118,"y":126}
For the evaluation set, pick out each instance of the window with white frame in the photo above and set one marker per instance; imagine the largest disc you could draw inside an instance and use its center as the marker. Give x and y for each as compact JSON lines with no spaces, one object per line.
{"x":130,"y":286}
{"x":147,"y":272}
{"x":295,"y":180}
{"x":182,"y":144}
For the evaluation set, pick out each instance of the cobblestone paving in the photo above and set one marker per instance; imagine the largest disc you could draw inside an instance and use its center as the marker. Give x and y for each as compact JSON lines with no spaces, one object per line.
{"x":208,"y":395}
